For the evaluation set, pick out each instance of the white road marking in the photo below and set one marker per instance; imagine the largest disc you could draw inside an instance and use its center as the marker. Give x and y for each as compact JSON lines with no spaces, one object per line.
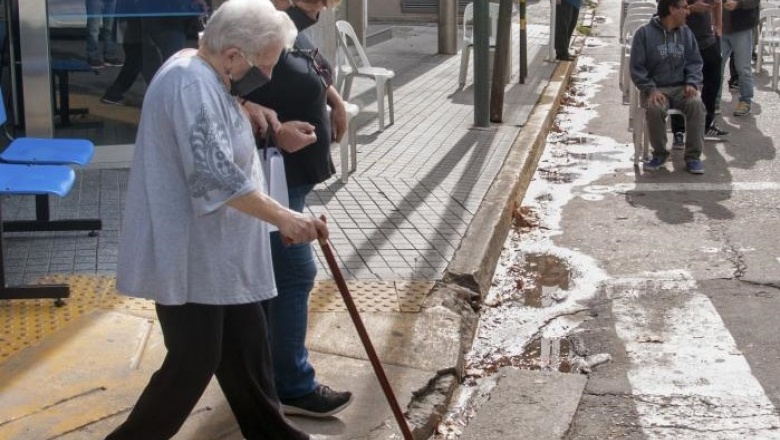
{"x":688,"y":378}
{"x":680,"y":186}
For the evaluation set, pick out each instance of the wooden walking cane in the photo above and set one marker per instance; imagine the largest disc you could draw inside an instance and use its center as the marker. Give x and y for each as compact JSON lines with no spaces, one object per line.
{"x":361,"y":329}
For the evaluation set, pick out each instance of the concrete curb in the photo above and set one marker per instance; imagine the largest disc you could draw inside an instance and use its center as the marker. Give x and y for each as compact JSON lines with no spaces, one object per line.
{"x":469,"y":275}
{"x":475,"y":260}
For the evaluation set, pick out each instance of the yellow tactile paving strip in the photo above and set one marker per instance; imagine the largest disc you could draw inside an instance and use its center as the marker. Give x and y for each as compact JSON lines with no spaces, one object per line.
{"x":26,"y":322}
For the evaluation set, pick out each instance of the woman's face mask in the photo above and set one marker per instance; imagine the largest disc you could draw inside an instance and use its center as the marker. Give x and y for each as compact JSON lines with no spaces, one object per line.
{"x":300,"y":17}
{"x":253,"y":79}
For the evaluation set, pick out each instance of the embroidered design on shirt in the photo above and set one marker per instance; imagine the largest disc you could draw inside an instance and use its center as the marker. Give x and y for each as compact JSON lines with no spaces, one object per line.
{"x":214,"y":167}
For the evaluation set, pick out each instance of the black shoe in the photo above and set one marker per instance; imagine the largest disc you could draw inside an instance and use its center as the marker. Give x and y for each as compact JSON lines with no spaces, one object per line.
{"x":565,"y":57}
{"x":114,"y":62}
{"x":112,"y":101}
{"x":96,"y":64}
{"x":322,"y":402}
{"x":733,"y":84}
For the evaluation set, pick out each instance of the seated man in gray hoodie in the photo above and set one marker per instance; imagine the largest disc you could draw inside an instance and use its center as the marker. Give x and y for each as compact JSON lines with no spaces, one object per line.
{"x":667,"y":69}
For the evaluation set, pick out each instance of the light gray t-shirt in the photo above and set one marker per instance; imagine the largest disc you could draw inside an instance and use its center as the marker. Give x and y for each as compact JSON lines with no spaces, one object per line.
{"x":194,"y":152}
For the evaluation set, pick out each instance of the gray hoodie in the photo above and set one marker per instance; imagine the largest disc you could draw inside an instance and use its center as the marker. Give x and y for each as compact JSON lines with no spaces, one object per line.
{"x":661,"y":58}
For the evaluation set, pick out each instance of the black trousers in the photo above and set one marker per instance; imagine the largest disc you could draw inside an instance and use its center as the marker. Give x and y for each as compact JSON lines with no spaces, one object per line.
{"x":203,"y":340}
{"x":566,"y":17}
{"x":133,"y":61}
{"x":713,"y":76}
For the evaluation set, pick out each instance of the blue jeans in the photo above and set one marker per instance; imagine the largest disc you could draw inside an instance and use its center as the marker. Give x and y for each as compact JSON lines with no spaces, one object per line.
{"x":741,"y":44}
{"x":100,"y":17}
{"x":295,"y":270}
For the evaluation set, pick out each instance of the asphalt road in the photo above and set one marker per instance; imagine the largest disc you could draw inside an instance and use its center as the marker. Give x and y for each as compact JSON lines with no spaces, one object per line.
{"x":688,"y":304}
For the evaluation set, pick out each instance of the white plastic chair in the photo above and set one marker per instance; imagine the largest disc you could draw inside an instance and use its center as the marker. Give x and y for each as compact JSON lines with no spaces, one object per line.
{"x":468,"y":40}
{"x":348,"y":146}
{"x":624,"y":73}
{"x":625,"y":5}
{"x":361,"y":67}
{"x":768,"y":38}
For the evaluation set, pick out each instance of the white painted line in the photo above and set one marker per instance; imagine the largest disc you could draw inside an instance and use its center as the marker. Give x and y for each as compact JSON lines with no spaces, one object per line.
{"x":688,"y":377}
{"x":680,"y":186}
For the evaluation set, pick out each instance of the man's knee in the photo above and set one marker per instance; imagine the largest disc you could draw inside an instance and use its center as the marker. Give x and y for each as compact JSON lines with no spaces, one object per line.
{"x":693,"y":106}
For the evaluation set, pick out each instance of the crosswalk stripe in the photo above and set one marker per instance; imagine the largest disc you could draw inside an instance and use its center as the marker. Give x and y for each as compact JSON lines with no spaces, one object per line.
{"x":689,"y":379}
{"x":682,"y":186}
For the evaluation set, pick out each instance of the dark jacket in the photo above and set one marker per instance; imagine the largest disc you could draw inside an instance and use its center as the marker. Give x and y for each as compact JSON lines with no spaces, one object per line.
{"x":701,"y":25}
{"x":743,"y":18}
{"x":661,"y":58}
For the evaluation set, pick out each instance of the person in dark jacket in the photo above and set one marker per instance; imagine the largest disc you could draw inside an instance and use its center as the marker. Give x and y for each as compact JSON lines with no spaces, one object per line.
{"x":705,"y":22}
{"x":300,"y":90}
{"x":739,"y":19}
{"x":667,"y":69}
{"x":567,"y":12}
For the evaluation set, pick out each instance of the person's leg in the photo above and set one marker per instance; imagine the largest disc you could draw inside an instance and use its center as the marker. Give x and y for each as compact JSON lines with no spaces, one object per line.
{"x":573,"y":20}
{"x":245,"y":375}
{"x":151,"y":59}
{"x":133,"y":63}
{"x":694,"y":111}
{"x":725,"y":51}
{"x":109,"y":36}
{"x":93,"y":8}
{"x":563,"y":14}
{"x":655,"y":118}
{"x":294,"y":270}
{"x":170,"y":36}
{"x":193,"y":337}
{"x":742,"y":46}
{"x":712,"y":80}
{"x":733,"y":73}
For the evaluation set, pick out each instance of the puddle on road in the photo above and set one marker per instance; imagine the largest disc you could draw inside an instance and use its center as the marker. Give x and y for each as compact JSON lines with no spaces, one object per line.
{"x":547,"y":354}
{"x":547,"y":279}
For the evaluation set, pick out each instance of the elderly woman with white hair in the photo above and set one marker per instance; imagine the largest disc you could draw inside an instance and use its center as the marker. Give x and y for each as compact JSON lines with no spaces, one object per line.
{"x":195,"y":235}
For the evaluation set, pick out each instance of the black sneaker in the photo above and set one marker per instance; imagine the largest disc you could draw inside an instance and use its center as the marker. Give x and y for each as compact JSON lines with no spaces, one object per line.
{"x":678,"y":140}
{"x":714,"y":133}
{"x":112,"y":101}
{"x":322,"y":402}
{"x":96,"y":64}
{"x":733,"y":83}
{"x":114,"y":62}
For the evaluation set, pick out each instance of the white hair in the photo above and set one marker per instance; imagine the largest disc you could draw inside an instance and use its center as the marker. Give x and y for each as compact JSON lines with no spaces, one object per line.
{"x":249,"y":25}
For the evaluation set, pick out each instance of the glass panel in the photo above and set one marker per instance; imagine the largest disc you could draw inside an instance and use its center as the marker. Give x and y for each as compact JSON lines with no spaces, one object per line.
{"x":103,"y":52}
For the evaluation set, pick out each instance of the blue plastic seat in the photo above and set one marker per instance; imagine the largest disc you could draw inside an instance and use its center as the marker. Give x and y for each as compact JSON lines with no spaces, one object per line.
{"x":44,"y":151}
{"x":36,"y":179}
{"x":49,"y":151}
{"x":40,"y":181}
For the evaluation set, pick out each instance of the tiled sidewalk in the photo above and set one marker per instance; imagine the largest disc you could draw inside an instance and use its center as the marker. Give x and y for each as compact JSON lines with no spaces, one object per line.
{"x":403,"y":213}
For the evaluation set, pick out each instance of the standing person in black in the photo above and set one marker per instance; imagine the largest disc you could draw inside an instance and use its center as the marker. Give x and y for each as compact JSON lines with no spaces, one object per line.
{"x":567,"y":12}
{"x":705,"y":22}
{"x":300,"y":90}
{"x":154,"y":30}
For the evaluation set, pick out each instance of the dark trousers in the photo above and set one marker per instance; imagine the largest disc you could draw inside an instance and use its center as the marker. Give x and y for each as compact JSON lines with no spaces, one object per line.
{"x":162,"y":37}
{"x":204,"y":340}
{"x":566,"y":17}
{"x":710,"y":86}
{"x":133,"y":61}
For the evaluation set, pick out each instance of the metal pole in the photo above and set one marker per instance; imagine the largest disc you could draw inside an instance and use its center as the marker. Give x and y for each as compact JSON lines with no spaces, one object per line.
{"x":523,"y":42}
{"x":448,"y":27}
{"x":551,"y":49}
{"x":361,"y":329}
{"x":501,"y":60}
{"x":481,"y":56}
